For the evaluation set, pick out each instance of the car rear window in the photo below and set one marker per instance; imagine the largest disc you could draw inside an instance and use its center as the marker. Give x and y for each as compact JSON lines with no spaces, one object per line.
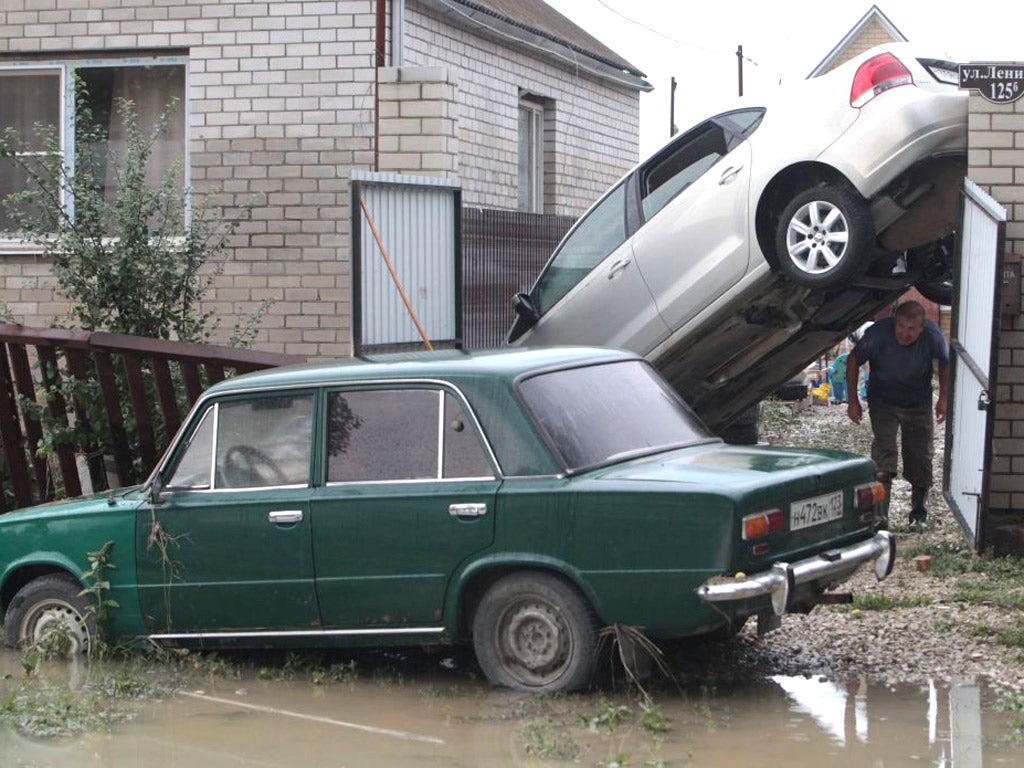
{"x":602,"y":414}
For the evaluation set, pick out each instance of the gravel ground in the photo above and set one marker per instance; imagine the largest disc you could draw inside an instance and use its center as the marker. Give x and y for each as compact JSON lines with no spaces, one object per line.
{"x":931,"y":634}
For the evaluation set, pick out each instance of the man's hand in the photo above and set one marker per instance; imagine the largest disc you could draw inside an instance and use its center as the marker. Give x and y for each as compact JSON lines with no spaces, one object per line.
{"x":855,"y":412}
{"x":940,"y":410}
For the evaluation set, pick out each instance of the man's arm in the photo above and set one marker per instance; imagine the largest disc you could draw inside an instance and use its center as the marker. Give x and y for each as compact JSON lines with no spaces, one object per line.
{"x":940,"y":404}
{"x":853,"y":410}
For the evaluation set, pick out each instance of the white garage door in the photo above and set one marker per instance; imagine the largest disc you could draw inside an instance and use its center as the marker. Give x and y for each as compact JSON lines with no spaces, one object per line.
{"x":973,"y":345}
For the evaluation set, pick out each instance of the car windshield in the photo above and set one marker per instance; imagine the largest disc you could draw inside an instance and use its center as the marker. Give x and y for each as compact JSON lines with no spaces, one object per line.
{"x":601,"y":414}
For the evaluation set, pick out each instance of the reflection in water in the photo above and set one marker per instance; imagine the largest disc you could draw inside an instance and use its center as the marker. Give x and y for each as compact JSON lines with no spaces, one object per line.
{"x":835,"y":708}
{"x":435,"y":712}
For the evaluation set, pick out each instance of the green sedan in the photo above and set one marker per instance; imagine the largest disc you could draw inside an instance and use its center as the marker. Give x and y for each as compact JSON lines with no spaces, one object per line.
{"x":519,"y":500}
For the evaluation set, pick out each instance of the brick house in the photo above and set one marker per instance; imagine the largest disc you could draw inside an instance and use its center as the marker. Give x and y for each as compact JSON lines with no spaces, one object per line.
{"x":280,"y":101}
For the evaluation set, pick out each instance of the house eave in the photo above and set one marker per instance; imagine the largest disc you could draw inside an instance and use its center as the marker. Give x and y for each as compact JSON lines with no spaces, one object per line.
{"x":487,"y":23}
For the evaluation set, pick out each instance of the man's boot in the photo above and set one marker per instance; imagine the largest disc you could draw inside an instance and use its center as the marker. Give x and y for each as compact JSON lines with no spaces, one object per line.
{"x":918,"y":512}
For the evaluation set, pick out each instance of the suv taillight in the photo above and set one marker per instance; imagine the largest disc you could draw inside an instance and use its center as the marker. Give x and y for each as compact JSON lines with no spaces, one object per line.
{"x":878,"y":74}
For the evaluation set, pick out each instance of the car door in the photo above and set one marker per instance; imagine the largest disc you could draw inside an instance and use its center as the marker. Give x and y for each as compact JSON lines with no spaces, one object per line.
{"x":695,"y":243}
{"x":228,"y":546}
{"x":591,"y":291}
{"x":409,"y":494}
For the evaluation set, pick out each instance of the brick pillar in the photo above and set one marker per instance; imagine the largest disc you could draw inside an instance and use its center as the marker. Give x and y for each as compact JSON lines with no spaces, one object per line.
{"x":417,"y":122}
{"x":996,"y":163}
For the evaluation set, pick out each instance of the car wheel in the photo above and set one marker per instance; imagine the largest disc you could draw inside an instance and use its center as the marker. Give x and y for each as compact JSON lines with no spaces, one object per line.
{"x":745,"y":428}
{"x":48,"y":604}
{"x":824,"y":237}
{"x":534,"y":632}
{"x":941,"y":292}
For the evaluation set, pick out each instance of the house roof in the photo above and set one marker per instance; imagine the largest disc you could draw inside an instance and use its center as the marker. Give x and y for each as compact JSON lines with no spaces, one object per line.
{"x":874,"y":21}
{"x":538,"y":26}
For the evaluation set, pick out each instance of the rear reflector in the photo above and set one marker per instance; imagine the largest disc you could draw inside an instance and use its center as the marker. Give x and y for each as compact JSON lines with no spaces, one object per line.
{"x":878,"y":74}
{"x":866,"y":496}
{"x":760,"y":525}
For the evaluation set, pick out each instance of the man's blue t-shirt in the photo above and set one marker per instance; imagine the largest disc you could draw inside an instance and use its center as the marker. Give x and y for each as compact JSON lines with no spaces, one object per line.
{"x":900,"y":376}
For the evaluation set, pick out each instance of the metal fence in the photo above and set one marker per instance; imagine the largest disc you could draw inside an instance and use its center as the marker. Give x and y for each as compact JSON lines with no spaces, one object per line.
{"x":502,"y":254}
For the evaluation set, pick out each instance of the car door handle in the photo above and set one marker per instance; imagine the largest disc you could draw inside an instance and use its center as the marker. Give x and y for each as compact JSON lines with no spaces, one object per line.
{"x":285,"y":516}
{"x":467,"y":511}
{"x":729,"y":174}
{"x":617,"y":268}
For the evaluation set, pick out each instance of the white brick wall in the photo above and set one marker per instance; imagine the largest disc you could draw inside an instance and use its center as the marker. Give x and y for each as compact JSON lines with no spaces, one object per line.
{"x":596,"y":126}
{"x":281,"y":106}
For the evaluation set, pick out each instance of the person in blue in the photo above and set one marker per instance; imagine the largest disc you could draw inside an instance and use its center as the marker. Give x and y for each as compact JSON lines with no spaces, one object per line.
{"x":901,"y":351}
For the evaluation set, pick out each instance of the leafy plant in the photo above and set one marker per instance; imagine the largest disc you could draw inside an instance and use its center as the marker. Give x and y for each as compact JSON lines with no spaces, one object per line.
{"x":125,"y":261}
{"x":97,"y":584}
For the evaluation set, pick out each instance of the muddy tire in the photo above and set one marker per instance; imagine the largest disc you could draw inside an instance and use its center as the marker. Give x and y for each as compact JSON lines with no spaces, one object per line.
{"x":824,"y":237}
{"x":45,"y":604}
{"x":534,"y":632}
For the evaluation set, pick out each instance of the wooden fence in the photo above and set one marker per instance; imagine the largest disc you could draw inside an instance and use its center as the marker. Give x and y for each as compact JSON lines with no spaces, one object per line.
{"x":133,"y":391}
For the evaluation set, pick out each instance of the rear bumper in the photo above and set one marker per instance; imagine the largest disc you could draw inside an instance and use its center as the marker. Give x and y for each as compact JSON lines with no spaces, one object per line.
{"x":782,"y":580}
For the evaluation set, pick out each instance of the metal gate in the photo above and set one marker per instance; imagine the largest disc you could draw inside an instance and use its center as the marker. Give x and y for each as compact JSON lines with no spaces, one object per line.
{"x":973,"y":360}
{"x":405,"y":261}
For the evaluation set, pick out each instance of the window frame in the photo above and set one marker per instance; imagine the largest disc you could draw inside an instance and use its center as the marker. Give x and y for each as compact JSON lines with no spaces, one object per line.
{"x":210,"y":409}
{"x":441,"y":389}
{"x":66,"y":69}
{"x":533,"y":108}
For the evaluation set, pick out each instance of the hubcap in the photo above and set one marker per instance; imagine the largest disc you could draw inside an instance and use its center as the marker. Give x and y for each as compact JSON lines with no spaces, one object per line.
{"x":535,"y":642}
{"x":56,"y":616}
{"x":817,"y":237}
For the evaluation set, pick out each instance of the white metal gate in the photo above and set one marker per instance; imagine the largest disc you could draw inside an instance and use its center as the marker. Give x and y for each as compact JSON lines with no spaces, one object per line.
{"x":973,"y":359}
{"x":408,"y":282}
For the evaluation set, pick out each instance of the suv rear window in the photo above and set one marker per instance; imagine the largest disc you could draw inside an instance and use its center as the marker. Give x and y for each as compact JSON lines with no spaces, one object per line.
{"x":602,"y":414}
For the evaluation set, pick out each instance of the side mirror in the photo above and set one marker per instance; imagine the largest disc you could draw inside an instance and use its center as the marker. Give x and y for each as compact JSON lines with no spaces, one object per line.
{"x":523,"y":304}
{"x":526,"y":315}
{"x":155,"y":489}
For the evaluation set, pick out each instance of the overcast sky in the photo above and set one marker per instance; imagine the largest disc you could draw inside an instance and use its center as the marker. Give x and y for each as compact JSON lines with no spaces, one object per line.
{"x":782,"y":40}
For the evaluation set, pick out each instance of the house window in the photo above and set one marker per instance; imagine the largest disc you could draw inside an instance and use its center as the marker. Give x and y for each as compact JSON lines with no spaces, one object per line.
{"x":531,"y":155}
{"x":40,"y":101}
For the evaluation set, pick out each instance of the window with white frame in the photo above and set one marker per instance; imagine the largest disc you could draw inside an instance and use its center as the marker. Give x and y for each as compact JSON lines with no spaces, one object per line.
{"x":531,"y":154}
{"x":41,"y":103}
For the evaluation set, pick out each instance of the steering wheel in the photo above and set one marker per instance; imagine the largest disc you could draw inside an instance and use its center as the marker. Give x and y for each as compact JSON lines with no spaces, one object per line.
{"x":246,"y":467}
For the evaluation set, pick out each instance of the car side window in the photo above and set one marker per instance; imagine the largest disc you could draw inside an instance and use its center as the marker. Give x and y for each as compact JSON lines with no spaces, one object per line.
{"x":380,"y":435}
{"x":257,"y":442}
{"x":597,"y":235}
{"x":687,"y":161}
{"x":463,"y":454}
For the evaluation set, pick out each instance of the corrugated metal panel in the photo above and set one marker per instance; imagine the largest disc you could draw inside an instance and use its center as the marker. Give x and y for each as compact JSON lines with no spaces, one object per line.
{"x":969,"y":429}
{"x":416,"y":219}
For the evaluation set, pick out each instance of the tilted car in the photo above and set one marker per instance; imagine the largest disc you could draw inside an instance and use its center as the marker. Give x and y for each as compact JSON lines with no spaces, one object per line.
{"x":759,"y":237}
{"x":517,"y":499}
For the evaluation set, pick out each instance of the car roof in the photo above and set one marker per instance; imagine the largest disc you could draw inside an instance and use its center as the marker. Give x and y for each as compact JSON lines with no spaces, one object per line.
{"x":450,"y":364}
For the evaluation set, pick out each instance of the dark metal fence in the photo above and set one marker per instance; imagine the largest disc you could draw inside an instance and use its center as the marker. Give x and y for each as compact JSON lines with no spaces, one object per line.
{"x":104,"y":405}
{"x":502,"y":254}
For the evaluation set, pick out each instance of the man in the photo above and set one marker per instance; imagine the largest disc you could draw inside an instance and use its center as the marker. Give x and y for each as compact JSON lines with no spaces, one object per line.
{"x":901,"y":350}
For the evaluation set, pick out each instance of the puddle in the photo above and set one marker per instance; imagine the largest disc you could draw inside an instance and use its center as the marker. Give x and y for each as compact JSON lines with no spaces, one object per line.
{"x":443,"y":715}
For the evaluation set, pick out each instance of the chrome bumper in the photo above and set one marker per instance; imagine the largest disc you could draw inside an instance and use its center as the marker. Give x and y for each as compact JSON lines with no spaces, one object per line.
{"x":783,"y":578}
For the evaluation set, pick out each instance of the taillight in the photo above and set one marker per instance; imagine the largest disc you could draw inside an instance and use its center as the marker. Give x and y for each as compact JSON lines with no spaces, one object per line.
{"x":759,"y":525}
{"x":878,"y":74}
{"x":866,"y":496}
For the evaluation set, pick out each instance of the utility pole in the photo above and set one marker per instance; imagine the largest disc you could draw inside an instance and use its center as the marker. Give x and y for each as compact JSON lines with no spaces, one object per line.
{"x":672,"y":110}
{"x":739,"y":66}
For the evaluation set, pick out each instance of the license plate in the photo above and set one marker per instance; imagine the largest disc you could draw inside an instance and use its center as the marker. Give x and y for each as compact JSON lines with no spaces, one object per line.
{"x":820,"y":509}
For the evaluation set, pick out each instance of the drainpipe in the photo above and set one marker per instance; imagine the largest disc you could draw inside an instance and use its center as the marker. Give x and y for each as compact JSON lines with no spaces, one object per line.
{"x":380,"y":42}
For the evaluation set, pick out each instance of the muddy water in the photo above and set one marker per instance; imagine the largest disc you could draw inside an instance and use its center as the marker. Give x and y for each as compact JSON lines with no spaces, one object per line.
{"x":440,"y":714}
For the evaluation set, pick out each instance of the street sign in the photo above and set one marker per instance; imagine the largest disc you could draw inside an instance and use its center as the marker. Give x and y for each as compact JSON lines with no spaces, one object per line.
{"x":996,"y":82}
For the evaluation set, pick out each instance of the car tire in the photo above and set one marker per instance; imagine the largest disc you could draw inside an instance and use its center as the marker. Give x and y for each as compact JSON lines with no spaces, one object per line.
{"x":824,"y":237}
{"x":534,"y":632}
{"x":46,"y":602}
{"x":745,"y":428}
{"x":941,"y":292}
